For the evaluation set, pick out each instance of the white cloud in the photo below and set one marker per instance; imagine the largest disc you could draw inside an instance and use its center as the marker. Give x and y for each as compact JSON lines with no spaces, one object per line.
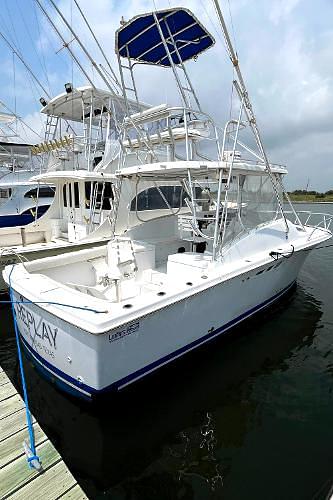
{"x":285,"y":53}
{"x":32,"y":130}
{"x":281,"y":9}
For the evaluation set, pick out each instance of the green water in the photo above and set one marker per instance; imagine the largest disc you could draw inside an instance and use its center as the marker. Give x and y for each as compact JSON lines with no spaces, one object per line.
{"x":247,"y":417}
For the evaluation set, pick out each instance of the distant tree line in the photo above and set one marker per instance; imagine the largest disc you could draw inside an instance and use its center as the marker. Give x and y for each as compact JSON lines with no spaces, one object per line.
{"x":313,"y":193}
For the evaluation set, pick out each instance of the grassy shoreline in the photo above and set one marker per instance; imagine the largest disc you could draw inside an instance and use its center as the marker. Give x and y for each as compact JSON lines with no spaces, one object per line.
{"x":315,"y":202}
{"x":310,"y":198}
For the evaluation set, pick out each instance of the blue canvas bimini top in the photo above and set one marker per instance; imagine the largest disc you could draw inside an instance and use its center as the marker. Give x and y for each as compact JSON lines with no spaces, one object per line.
{"x":140,"y":39}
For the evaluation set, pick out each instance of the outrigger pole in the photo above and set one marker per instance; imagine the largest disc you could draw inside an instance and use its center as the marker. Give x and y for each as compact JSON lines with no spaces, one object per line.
{"x":64,"y":43}
{"x":114,"y":76}
{"x":27,"y":67}
{"x":244,"y":96}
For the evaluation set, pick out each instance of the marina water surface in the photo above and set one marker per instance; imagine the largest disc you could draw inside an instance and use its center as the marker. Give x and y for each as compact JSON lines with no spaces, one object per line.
{"x":248,"y":416}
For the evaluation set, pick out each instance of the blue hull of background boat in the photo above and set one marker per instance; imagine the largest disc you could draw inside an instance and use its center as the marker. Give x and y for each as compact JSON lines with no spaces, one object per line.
{"x":21,"y":219}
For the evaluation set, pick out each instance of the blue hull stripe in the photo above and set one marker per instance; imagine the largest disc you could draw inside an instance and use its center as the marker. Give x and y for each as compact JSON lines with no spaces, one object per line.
{"x":21,"y":219}
{"x":152,"y":366}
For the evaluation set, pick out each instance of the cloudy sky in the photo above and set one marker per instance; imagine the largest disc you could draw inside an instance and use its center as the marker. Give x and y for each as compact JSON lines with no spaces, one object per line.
{"x":284,"y":47}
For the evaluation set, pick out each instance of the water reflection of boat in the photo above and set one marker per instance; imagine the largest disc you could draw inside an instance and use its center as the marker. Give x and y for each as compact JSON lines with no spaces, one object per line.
{"x":135,"y":436}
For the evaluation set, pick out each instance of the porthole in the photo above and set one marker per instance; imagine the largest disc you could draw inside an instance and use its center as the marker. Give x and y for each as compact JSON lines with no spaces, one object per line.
{"x":161,"y":293}
{"x":204,"y":277}
{"x":189,"y":283}
{"x":127,"y":306}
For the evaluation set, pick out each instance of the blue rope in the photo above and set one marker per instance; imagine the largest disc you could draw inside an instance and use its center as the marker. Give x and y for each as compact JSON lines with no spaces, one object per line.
{"x":25,"y":392}
{"x":50,"y":303}
{"x":12,"y":301}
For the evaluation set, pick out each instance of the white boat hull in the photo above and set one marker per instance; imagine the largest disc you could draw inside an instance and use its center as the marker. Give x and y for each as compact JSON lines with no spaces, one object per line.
{"x":87,"y":364}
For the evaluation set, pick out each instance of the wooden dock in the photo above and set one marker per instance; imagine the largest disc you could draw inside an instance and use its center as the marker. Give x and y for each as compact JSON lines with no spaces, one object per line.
{"x":17,"y":479}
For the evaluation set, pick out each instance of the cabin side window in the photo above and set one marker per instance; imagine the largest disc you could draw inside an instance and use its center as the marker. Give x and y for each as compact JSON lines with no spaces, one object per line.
{"x":64,"y":194}
{"x":87,"y":188}
{"x":107,"y":196}
{"x":5,"y":193}
{"x":43,"y":192}
{"x":76,"y":195}
{"x":102,"y":192}
{"x":155,"y":198}
{"x":70,"y":202}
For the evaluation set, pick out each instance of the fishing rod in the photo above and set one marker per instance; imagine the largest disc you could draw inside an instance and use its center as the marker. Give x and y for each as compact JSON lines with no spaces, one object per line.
{"x":19,"y":119}
{"x":27,"y":67}
{"x":114,"y":76}
{"x":83,"y":48}
{"x":32,"y":74}
{"x":65,"y":44}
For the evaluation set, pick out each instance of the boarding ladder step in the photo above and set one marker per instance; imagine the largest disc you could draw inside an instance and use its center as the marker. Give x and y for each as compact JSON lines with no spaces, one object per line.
{"x":97,"y":204}
{"x":129,"y":85}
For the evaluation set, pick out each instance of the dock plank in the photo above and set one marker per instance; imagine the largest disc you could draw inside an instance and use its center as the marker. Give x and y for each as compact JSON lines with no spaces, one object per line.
{"x":74,"y":493}
{"x":10,"y":405}
{"x":61,"y":479}
{"x":17,"y":479}
{"x":7,"y":390}
{"x":12,"y":447}
{"x":18,"y":473}
{"x":13,"y":423}
{"x":3,"y":378}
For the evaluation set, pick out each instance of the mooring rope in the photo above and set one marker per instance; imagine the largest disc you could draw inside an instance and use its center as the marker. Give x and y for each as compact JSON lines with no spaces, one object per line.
{"x":286,"y":255}
{"x":32,"y":458}
{"x":275,"y":254}
{"x":84,"y":308}
{"x":30,"y":451}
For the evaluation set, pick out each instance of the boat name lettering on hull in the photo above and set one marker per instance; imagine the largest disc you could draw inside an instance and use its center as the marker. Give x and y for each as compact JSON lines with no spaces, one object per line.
{"x":37,"y":328}
{"x":123,"y":333}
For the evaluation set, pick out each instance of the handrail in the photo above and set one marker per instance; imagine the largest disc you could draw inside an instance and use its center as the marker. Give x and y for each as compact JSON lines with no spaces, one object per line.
{"x":324,"y":223}
{"x":163,"y":112}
